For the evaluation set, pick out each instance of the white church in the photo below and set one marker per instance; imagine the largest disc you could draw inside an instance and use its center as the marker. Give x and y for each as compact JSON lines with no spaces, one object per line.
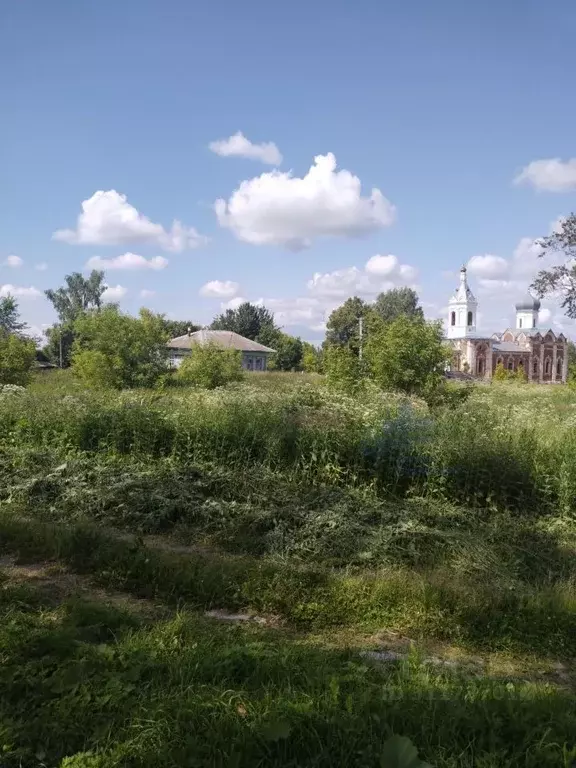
{"x":542,"y":353}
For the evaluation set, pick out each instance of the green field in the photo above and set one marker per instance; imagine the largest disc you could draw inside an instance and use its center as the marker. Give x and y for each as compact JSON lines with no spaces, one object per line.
{"x":274,"y":574}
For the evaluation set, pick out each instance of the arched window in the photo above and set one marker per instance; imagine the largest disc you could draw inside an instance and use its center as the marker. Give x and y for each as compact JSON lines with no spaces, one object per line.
{"x":519,"y":322}
{"x":452,"y":318}
{"x":480,"y":366}
{"x":559,"y":367}
{"x":535,"y":367}
{"x":470,"y":318}
{"x":533,"y":322}
{"x":510,"y":364}
{"x":547,"y":366}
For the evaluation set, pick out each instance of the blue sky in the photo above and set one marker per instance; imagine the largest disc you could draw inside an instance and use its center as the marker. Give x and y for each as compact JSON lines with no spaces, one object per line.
{"x":439,"y":106}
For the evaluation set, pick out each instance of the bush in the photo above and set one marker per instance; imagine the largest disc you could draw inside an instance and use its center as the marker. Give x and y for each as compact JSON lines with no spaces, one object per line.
{"x":343,"y":369}
{"x":17,"y":356}
{"x":210,"y":366}
{"x":117,"y":351}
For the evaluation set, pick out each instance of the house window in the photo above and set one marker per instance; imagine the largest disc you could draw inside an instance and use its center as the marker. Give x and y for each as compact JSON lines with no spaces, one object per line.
{"x":470,"y":318}
{"x":259,"y":366}
{"x":250,"y":364}
{"x":452,"y":318}
{"x":520,"y":323}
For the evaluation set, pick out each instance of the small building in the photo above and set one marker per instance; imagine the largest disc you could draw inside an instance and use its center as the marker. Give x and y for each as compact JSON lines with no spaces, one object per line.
{"x":540,"y":352}
{"x":254,"y":355}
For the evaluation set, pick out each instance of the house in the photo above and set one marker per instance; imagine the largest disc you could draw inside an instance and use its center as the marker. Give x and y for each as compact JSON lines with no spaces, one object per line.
{"x":254,"y":355}
{"x":540,"y":352}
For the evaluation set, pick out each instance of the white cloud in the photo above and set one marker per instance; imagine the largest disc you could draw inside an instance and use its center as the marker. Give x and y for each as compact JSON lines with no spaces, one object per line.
{"x":107,"y":218}
{"x":145,"y":293}
{"x":233,"y":303}
{"x":239,"y":146}
{"x":114,"y":293}
{"x":220,"y":289}
{"x":19,"y":292}
{"x":544,"y":315}
{"x":276,"y":208}
{"x":488,"y":266}
{"x":41,"y":267}
{"x":380,"y":273}
{"x":13,"y":261}
{"x":305,"y":311}
{"x":127,"y":261}
{"x":553,"y":175}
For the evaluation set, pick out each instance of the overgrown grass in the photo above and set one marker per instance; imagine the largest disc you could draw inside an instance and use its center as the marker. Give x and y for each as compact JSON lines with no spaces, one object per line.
{"x":322,"y":511}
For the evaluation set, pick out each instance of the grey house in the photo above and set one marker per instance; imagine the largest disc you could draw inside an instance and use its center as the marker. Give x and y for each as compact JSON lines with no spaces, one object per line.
{"x":254,"y":355}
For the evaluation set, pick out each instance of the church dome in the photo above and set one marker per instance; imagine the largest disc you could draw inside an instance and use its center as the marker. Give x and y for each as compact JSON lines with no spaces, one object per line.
{"x":528,"y":303}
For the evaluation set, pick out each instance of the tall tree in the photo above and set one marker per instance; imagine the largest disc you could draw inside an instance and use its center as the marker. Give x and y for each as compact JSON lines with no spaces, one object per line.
{"x":248,"y":320}
{"x":10,"y":316}
{"x":560,"y":279}
{"x":175,"y":328}
{"x":288,"y":355}
{"x":343,"y":326}
{"x":78,"y":295}
{"x":397,"y":302}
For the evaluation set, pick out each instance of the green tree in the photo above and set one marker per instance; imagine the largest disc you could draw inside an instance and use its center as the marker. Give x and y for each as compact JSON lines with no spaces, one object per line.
{"x":561,"y":278}
{"x":175,"y":328}
{"x":408,"y":355}
{"x":311,"y":358}
{"x":210,"y":366}
{"x":116,"y":350}
{"x":288,"y":355}
{"x":10,"y":316}
{"x":343,"y":368}
{"x":78,"y":295}
{"x":248,"y":320}
{"x":17,"y":355}
{"x":343,"y":326}
{"x":397,"y":302}
{"x":500,"y":373}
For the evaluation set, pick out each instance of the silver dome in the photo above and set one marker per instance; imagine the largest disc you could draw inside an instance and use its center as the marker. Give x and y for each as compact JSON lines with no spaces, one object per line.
{"x":528,"y":303}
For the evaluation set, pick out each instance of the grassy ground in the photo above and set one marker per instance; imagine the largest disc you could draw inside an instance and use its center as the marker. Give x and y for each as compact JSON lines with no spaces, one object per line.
{"x":392,"y":571}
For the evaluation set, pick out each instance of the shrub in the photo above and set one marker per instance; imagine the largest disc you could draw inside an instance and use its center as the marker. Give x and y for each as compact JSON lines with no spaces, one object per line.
{"x":342,"y":368}
{"x":114,"y":350}
{"x":17,"y":356}
{"x":210,"y":366}
{"x":500,"y":373}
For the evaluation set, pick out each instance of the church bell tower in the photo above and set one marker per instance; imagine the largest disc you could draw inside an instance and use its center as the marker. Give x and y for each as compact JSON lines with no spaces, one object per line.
{"x":462,"y":310}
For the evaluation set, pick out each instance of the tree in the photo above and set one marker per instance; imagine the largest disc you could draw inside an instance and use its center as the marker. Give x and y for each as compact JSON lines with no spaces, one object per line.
{"x":343,"y":326}
{"x":78,"y":296}
{"x":248,"y":320}
{"x":175,"y":328}
{"x":17,"y":356}
{"x":560,"y":279}
{"x":10,"y":316}
{"x":288,"y":355}
{"x":396,"y":302}
{"x":311,"y":358}
{"x":500,"y":373}
{"x":343,"y":368}
{"x":408,"y":355}
{"x":115,"y":350}
{"x":210,"y":366}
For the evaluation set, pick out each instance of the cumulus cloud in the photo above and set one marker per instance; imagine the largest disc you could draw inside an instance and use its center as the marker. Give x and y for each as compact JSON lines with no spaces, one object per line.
{"x":553,"y":175}
{"x":220,"y":289}
{"x":107,"y":218}
{"x":41,"y":267}
{"x":380,"y":273}
{"x":145,"y":293}
{"x":127,"y":261}
{"x":13,"y":261}
{"x":114,"y":293}
{"x":233,"y":303}
{"x":19,"y":292}
{"x":239,"y":146}
{"x":488,"y":266}
{"x":277,"y":208}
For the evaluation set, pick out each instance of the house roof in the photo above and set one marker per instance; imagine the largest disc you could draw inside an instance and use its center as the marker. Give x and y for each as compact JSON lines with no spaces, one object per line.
{"x":225,"y":339}
{"x":508,"y":346}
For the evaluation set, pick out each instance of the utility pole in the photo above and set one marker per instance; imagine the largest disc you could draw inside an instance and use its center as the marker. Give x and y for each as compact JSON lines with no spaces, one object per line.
{"x":360,"y":329}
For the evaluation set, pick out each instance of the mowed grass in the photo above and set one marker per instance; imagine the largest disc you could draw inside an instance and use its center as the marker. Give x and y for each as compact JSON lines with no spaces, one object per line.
{"x":340,"y":522}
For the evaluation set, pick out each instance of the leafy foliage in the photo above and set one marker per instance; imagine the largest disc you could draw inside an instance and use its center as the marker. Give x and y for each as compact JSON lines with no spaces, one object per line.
{"x":115,"y":350}
{"x":398,"y":302}
{"x":17,"y":355}
{"x":561,"y":278}
{"x":10,"y":316}
{"x":312,"y":358}
{"x":175,"y":328}
{"x":248,"y":320}
{"x":408,"y":355}
{"x":500,"y":373}
{"x":209,"y":366}
{"x":288,"y":348}
{"x":79,"y":295}
{"x":342,"y":328}
{"x":399,"y":752}
{"x":343,"y":368}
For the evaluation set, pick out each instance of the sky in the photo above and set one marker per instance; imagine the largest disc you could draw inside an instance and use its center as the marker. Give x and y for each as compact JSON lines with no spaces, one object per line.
{"x":292,"y":154}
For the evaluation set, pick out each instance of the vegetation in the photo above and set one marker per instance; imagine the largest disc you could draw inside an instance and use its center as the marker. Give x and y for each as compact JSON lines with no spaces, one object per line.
{"x":248,"y":320}
{"x":17,"y":352}
{"x":398,"y":302}
{"x":412,"y":571}
{"x":560,"y":279}
{"x":209,"y":366}
{"x":10,"y":316}
{"x":115,"y":350}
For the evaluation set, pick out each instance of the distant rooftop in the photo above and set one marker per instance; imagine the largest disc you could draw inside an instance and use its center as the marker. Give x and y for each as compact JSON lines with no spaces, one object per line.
{"x":225,"y":339}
